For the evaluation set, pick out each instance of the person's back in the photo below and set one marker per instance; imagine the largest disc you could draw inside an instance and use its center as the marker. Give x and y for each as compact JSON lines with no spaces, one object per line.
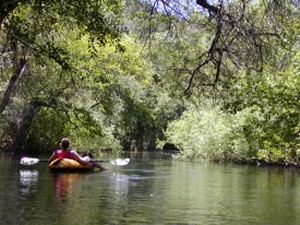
{"x":64,"y":151}
{"x":64,"y":154}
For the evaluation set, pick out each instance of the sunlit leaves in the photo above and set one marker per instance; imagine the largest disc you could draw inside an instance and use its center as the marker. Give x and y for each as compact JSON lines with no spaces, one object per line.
{"x":207,"y":133}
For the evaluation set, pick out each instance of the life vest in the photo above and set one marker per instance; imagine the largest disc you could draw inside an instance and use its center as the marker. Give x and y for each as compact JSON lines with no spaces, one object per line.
{"x":61,"y":154}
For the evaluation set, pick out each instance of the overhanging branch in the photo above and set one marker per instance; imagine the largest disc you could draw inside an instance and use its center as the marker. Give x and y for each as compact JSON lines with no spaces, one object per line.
{"x":207,"y":6}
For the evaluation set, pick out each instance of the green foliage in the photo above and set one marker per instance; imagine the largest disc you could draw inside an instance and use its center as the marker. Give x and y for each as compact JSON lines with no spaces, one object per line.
{"x":46,"y":130}
{"x":273,"y":98}
{"x":98,"y":18}
{"x":105,"y":99}
{"x":261,"y":121}
{"x":121,"y":95}
{"x":207,"y":133}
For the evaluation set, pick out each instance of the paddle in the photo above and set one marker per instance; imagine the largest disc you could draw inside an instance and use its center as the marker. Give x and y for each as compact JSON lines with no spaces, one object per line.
{"x":115,"y":162}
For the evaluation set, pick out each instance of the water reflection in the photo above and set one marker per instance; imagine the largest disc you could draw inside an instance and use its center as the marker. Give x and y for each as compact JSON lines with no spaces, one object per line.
{"x":120,"y":186}
{"x":150,"y":191}
{"x":65,"y":184}
{"x":28,"y":180}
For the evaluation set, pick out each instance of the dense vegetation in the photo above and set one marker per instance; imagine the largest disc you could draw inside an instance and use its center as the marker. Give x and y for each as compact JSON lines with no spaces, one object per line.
{"x":219,"y":80}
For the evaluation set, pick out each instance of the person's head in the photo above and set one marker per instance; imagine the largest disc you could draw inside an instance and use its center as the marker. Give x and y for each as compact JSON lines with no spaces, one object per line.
{"x":65,"y":144}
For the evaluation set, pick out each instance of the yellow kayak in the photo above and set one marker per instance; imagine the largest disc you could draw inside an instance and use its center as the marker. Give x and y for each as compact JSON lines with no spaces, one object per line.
{"x":65,"y":164}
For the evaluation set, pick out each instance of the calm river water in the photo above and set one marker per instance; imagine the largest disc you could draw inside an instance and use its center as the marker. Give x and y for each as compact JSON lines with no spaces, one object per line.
{"x":152,"y":189}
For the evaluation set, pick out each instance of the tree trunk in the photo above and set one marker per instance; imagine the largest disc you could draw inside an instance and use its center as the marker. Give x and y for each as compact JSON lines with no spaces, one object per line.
{"x":20,"y":138}
{"x":7,"y":7}
{"x":207,"y":6}
{"x":20,"y":67}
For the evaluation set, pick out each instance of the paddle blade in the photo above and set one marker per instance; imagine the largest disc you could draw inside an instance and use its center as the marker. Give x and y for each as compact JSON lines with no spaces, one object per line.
{"x":120,"y":162}
{"x":29,"y":161}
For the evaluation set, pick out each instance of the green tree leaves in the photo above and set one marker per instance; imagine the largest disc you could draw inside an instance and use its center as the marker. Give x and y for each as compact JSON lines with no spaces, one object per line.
{"x":222,"y":85}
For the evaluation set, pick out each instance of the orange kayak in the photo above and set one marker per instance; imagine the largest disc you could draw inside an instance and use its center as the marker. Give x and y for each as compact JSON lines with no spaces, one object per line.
{"x":69,"y":165}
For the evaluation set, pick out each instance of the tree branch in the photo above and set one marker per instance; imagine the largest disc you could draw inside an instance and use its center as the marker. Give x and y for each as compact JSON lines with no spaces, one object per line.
{"x":207,"y":6}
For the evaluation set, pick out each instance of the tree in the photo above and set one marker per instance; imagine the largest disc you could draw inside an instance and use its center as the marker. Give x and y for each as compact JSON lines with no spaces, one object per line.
{"x":28,"y":27}
{"x":29,"y":30}
{"x":241,"y":35}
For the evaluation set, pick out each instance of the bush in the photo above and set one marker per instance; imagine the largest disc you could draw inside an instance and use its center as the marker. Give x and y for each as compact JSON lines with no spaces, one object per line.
{"x":207,"y":133}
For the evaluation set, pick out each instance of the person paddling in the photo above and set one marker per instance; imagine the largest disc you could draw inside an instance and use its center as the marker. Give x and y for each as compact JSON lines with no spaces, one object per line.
{"x":66,"y":152}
